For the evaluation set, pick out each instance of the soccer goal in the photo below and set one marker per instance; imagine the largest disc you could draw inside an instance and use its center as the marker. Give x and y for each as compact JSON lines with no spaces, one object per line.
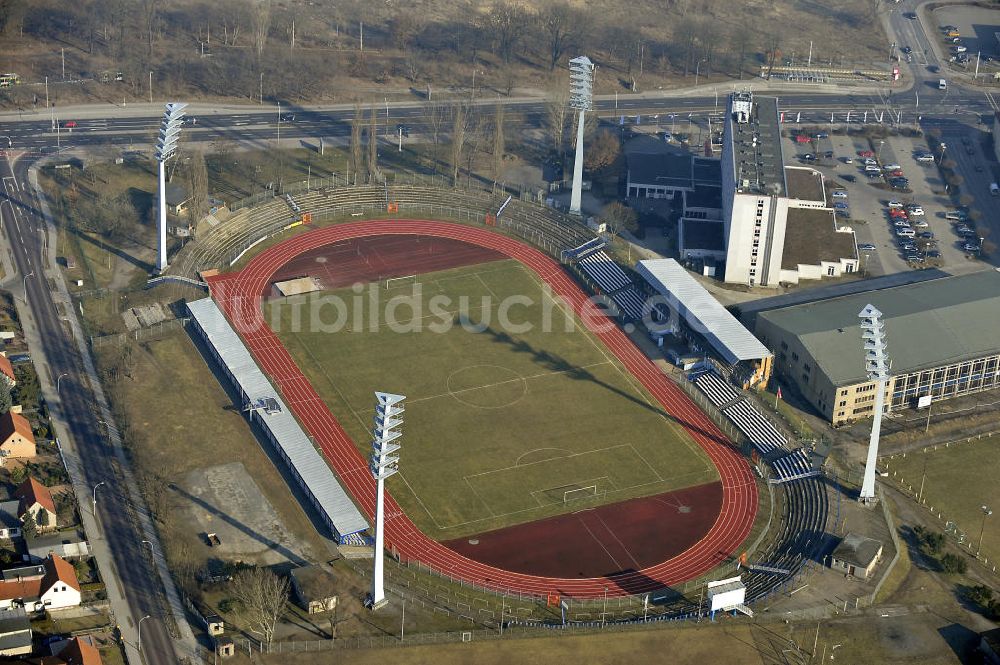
{"x":396,"y":282}
{"x":588,"y":492}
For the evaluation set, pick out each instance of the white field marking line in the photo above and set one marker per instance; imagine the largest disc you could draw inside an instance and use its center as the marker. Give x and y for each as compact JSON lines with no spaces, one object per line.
{"x":614,"y":535}
{"x":416,"y":496}
{"x":498,"y":383}
{"x":590,"y":482}
{"x":648,"y":465}
{"x":629,"y":379}
{"x":487,"y":286}
{"x":357,"y":416}
{"x":481,"y":499}
{"x":508,"y":468}
{"x":599,"y":542}
{"x":517,"y":462}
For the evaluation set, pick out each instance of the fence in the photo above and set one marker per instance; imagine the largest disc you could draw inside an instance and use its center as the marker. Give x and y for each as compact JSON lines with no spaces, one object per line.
{"x":153,"y":332}
{"x":951,"y":528}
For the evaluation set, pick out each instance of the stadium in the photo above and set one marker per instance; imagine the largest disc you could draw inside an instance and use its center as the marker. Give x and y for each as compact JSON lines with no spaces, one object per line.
{"x":557,"y":460}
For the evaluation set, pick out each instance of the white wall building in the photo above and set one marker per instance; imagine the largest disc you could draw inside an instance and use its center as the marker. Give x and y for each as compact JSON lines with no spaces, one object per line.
{"x":767,"y":205}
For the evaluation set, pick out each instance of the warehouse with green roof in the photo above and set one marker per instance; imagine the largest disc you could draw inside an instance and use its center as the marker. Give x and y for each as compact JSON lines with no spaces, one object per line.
{"x":942,"y":334}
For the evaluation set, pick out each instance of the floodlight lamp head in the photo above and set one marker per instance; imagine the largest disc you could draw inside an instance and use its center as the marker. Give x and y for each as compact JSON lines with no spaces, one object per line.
{"x":581,"y":86}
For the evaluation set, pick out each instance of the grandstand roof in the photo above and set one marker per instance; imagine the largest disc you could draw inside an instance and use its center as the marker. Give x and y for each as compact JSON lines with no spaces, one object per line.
{"x":702,"y":312}
{"x":927,"y":324}
{"x":310,"y":467}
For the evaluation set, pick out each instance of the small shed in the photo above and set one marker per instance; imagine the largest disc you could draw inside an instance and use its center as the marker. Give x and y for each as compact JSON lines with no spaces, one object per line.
{"x":857,"y":555}
{"x":225,"y":647}
{"x":214,"y":625}
{"x":314,"y":588}
{"x":178,"y":199}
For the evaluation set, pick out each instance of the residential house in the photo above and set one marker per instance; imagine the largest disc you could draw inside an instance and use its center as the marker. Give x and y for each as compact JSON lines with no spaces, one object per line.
{"x":15,"y":633}
{"x":313,"y":587}
{"x":10,"y":523}
{"x":67,"y":544}
{"x":77,"y":651}
{"x":36,"y":500}
{"x":58,"y":588}
{"x":23,"y":573}
{"x":16,"y":439}
{"x":7,"y":370}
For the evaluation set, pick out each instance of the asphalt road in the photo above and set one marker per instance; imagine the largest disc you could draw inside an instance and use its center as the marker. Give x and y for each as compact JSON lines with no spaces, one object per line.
{"x":24,"y":226}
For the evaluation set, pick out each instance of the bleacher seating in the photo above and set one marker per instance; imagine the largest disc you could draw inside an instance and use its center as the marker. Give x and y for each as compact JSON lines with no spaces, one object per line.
{"x":719,"y":392}
{"x":762,"y":434}
{"x":586,"y":249}
{"x":793,"y":466}
{"x":605,"y":272}
{"x":631,"y":302}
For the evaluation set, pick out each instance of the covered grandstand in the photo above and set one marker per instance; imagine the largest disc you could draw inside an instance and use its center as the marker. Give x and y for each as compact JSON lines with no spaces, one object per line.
{"x":267,"y":409}
{"x":705,"y":322}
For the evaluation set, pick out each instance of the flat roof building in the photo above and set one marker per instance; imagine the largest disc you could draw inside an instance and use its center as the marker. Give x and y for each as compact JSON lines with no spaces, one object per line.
{"x":762,"y":204}
{"x":941,"y":336}
{"x":856,"y":555}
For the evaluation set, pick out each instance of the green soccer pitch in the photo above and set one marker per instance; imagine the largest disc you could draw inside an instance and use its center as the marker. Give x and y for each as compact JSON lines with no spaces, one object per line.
{"x":502,"y":425}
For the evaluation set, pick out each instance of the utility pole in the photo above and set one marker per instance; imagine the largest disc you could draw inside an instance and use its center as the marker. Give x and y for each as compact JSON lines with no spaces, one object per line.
{"x":362,"y":38}
{"x":64,"y":63}
{"x":260,"y":95}
{"x":151,"y":87}
{"x":976,"y":75}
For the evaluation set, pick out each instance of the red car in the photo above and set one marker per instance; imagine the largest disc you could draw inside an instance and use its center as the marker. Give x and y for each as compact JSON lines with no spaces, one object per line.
{"x":802,"y":138}
{"x":897,"y":173}
{"x":865,"y":153}
{"x":896,"y":213}
{"x":69,"y":124}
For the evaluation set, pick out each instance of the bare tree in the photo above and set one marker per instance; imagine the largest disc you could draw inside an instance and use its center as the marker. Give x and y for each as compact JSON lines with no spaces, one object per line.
{"x":262,"y":597}
{"x":556,"y":113}
{"x":373,"y":172}
{"x":457,"y":141}
{"x":560,"y":24}
{"x":620,"y":218}
{"x":499,"y":142}
{"x":356,"y":129}
{"x":149,"y":23}
{"x":197,"y":181}
{"x":507,"y":21}
{"x":437,"y":113}
{"x":261,"y":25}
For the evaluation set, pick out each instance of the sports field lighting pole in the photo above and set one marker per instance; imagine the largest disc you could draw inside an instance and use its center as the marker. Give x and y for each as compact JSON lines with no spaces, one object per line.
{"x":384,"y":463}
{"x":604,"y":613}
{"x":581,"y":98}
{"x":166,"y":146}
{"x":877,"y":367}
{"x":986,"y":513}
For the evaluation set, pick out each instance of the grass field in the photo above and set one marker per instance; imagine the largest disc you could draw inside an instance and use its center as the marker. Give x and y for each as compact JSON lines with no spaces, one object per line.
{"x":499,"y":426}
{"x":961,"y":478}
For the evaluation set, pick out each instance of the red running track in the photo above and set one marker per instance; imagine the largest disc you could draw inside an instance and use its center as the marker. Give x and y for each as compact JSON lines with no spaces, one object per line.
{"x":239,"y":295}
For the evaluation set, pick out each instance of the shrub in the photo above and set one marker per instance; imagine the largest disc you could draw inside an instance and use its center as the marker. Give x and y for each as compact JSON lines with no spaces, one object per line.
{"x":953,"y":564}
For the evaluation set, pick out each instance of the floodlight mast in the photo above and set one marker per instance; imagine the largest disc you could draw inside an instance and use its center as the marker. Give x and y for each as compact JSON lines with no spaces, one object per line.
{"x":384,"y":463}
{"x":166,"y":147}
{"x":877,"y":368}
{"x":581,"y":98}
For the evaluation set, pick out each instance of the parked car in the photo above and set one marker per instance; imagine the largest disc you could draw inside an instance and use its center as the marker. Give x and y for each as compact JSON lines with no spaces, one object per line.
{"x":866,"y":247}
{"x":906,"y":233}
{"x":921,"y":224}
{"x":69,"y":124}
{"x":891,"y":167}
{"x":839,"y":194}
{"x":840,"y":205}
{"x":915,"y":210}
{"x":865,"y":153}
{"x":925,"y":158}
{"x":927,"y":235}
{"x":906,"y":49}
{"x":893,"y":203}
{"x":955,"y":215}
{"x":934,"y":254}
{"x":849,"y":178}
{"x":971,"y":247}
{"x":822,"y":135}
{"x":898,"y":173}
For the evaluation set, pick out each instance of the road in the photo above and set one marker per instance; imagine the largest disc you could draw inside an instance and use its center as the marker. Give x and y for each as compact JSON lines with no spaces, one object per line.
{"x":24,"y":226}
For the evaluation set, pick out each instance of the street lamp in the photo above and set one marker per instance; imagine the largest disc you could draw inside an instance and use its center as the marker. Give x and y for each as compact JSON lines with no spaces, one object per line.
{"x":697,"y":71}
{"x":986,"y":513}
{"x":59,"y":380}
{"x":150,"y":543}
{"x":138,"y":641}
{"x":166,"y":147}
{"x":24,"y":283}
{"x":10,"y":142}
{"x":95,"y":497}
{"x":878,"y":155}
{"x":581,"y":98}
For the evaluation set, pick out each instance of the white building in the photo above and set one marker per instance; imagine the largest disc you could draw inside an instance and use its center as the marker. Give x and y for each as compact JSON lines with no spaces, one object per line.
{"x":777,"y":222}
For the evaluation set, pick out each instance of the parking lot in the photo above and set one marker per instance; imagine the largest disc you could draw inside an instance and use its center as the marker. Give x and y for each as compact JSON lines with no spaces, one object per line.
{"x":977,"y":26}
{"x":868,"y":199}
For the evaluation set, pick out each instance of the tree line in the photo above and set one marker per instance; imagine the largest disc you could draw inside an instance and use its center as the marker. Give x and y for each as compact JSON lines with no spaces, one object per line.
{"x":250,"y":48}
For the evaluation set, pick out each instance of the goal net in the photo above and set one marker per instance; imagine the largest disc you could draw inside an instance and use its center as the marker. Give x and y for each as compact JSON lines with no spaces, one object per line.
{"x":396,"y":282}
{"x":578,"y":493}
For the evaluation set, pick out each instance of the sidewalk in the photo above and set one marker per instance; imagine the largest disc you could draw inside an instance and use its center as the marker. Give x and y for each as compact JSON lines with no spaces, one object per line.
{"x":186,"y":645}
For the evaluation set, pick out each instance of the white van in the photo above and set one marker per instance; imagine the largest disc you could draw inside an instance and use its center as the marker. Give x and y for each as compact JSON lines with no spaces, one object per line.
{"x":942,"y":85}
{"x":994,"y":189}
{"x":955,"y":215}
